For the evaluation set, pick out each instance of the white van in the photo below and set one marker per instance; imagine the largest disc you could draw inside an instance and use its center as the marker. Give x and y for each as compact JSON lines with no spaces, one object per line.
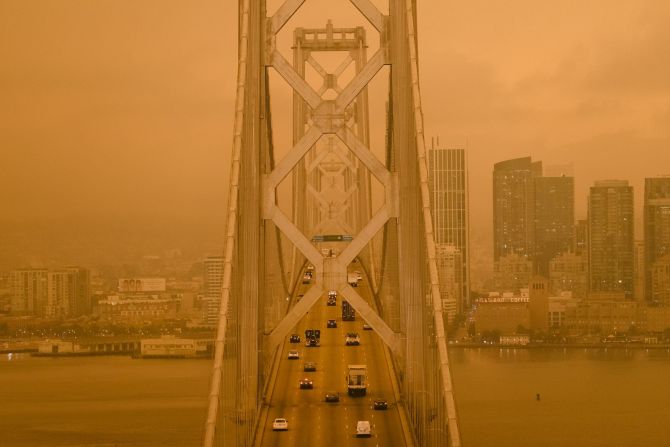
{"x":363,"y":429}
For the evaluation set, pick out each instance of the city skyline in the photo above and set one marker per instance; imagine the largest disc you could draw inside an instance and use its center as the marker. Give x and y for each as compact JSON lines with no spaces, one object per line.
{"x":87,"y":131}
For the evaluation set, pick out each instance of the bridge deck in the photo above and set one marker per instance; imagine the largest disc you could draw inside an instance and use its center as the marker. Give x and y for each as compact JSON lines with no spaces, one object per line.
{"x":312,"y":421}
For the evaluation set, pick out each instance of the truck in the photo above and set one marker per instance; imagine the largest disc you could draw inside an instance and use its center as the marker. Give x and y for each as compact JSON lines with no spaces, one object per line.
{"x":357,"y":380}
{"x":348,"y":311}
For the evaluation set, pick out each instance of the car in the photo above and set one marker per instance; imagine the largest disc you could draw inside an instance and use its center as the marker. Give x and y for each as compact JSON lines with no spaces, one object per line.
{"x":352,"y":339}
{"x":367,"y":327}
{"x":332,"y":396}
{"x":306,"y":384}
{"x":293,"y":355}
{"x":331,"y":324}
{"x":294,"y":338}
{"x":309,"y":367}
{"x":280,"y":424}
{"x":380,"y":404}
{"x":312,"y":342}
{"x":331,"y":302}
{"x":363,"y":429}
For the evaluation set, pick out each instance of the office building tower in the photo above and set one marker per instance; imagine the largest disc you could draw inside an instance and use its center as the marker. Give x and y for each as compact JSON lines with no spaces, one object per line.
{"x":610,"y":242}
{"x":638,"y":271}
{"x":448,"y":180}
{"x":554,"y":219}
{"x":533,"y":215}
{"x":581,"y":237}
{"x":660,"y":280}
{"x":29,"y":291}
{"x":212,"y":283}
{"x":514,"y":207}
{"x":656,"y":229}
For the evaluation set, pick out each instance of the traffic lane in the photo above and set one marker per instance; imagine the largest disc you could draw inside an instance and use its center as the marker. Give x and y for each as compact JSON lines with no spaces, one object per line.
{"x":313,"y":421}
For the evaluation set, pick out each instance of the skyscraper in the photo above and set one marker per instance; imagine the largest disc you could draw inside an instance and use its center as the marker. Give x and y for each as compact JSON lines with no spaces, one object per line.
{"x":513,"y":207}
{"x":448,"y":180}
{"x":656,"y":228}
{"x":212,"y":283}
{"x":533,"y":215}
{"x":611,"y":244}
{"x":554,"y":219}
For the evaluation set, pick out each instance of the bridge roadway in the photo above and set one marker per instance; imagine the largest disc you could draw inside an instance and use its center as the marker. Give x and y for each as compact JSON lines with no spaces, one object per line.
{"x":311,"y":420}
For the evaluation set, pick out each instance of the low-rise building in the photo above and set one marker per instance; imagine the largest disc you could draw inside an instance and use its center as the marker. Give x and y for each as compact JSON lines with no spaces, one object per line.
{"x":504,"y":312}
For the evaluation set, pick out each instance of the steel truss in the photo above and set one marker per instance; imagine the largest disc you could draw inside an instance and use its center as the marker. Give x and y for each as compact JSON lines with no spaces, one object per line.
{"x":256,"y":274}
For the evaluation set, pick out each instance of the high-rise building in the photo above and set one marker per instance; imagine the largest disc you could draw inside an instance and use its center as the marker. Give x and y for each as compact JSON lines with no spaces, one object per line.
{"x":656,"y":227}
{"x":61,"y":294}
{"x":449,"y":266}
{"x":554,"y":219}
{"x":581,"y":237}
{"x":514,"y":207}
{"x":660,"y":280}
{"x":611,"y":243}
{"x":533,"y":215}
{"x":448,"y":180}
{"x":29,"y":291}
{"x":212,"y":283}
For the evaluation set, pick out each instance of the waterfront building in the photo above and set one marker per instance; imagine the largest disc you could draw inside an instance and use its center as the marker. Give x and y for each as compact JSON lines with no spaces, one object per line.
{"x":212,"y":283}
{"x":610,"y":246}
{"x":559,"y":308}
{"x":605,"y":317}
{"x":568,"y":273}
{"x":505,"y":312}
{"x":119,"y":309}
{"x":448,"y":182}
{"x":656,"y":229}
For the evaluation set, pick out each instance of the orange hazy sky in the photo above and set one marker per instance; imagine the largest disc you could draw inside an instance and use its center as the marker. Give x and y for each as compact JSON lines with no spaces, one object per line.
{"x":111,"y":108}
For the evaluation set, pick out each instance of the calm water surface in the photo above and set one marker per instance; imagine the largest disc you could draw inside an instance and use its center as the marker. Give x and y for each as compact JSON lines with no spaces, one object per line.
{"x":587,"y":398}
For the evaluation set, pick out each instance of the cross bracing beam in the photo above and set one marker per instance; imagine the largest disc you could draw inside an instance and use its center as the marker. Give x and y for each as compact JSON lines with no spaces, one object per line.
{"x":382,"y":329}
{"x":295,"y":314}
{"x":370,"y":11}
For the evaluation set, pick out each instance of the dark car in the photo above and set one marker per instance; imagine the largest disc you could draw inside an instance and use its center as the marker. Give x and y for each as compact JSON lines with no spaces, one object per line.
{"x":331,"y":324}
{"x":306,"y":384}
{"x":332,"y":396}
{"x":380,"y":404}
{"x":331,"y":302}
{"x":295,"y":338}
{"x":309,"y":367}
